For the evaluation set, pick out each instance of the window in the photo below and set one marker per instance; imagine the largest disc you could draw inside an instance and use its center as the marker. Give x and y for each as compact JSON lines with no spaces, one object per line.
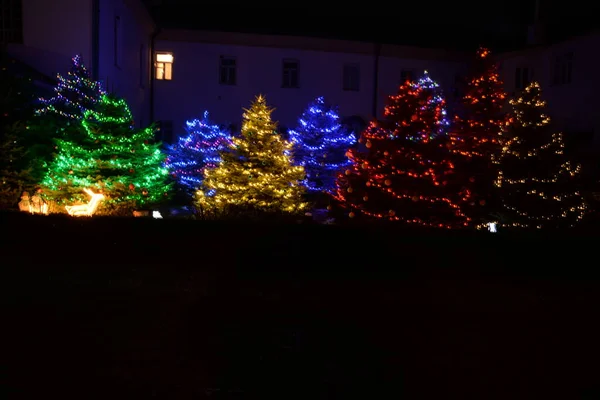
{"x":227,"y":71}
{"x":142,"y":62}
{"x":351,"y":77}
{"x":406,"y":75}
{"x":457,"y":85}
{"x":117,"y":40}
{"x":164,"y":66}
{"x":290,"y":74}
{"x":522,"y":78}
{"x":11,"y":21}
{"x":165,"y":129}
{"x":563,"y":69}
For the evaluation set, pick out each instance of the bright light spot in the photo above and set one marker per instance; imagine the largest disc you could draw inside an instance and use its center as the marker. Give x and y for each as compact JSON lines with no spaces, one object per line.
{"x":164,"y":57}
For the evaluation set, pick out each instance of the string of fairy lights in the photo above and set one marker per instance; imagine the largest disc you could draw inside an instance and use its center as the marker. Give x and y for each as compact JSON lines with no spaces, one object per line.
{"x":257,"y":171}
{"x":392,"y":157}
{"x":74,"y":94}
{"x":407,"y":167}
{"x":523,"y":192}
{"x":320,"y":143}
{"x":124,"y":163}
{"x":188,"y":158}
{"x":477,"y":135}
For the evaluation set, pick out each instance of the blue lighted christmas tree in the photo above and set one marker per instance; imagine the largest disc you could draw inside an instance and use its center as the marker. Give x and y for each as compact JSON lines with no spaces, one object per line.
{"x":74,"y":94}
{"x":192,"y":154}
{"x":436,"y":105}
{"x":320,"y":145}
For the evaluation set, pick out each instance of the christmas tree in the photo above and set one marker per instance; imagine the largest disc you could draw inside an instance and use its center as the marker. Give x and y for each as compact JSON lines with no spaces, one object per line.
{"x":113,"y":158}
{"x":436,"y":106}
{"x":536,"y":182}
{"x":476,"y":136}
{"x":257,"y":172}
{"x":14,"y":174}
{"x":74,"y":94}
{"x":59,"y":116}
{"x":192,"y":154}
{"x":320,"y":145}
{"x":398,"y":178}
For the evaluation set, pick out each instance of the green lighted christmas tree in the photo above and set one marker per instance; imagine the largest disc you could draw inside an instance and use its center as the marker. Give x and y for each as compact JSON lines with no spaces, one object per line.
{"x":257,"y":174}
{"x":113,"y":157}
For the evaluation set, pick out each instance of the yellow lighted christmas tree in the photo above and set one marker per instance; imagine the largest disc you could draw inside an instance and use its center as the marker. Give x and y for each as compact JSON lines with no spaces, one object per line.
{"x":256,"y":173}
{"x":536,"y":183}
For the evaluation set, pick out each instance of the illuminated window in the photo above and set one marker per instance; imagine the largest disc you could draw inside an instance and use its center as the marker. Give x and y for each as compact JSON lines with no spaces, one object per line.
{"x":290,"y":74}
{"x":227,"y":70}
{"x":164,"y":66}
{"x":351,"y":78}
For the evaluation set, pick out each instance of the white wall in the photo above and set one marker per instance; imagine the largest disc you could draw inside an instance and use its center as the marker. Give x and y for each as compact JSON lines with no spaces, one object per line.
{"x":195,"y":84}
{"x":573,"y":107}
{"x":53,"y":34}
{"x":129,"y":75}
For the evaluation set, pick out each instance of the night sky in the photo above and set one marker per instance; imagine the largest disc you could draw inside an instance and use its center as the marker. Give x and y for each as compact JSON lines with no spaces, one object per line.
{"x":502,"y":25}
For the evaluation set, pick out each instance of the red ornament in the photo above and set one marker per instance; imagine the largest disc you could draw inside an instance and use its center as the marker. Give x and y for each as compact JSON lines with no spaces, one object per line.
{"x":131,"y":187}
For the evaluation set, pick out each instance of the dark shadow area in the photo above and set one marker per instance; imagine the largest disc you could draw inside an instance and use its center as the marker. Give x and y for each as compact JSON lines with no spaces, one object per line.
{"x":142,"y":308}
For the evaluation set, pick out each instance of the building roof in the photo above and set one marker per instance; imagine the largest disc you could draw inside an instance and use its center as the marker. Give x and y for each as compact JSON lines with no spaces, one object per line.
{"x":309,"y":43}
{"x":458,"y":26}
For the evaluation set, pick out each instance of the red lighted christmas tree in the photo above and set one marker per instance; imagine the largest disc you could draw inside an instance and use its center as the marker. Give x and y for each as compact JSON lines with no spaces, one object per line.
{"x":400,"y":179}
{"x":476,"y":134}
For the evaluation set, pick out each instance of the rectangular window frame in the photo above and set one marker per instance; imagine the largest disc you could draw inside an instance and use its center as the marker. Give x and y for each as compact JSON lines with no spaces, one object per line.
{"x":228,"y":70}
{"x":351,"y":77}
{"x":290,"y":73}
{"x":163,"y":66}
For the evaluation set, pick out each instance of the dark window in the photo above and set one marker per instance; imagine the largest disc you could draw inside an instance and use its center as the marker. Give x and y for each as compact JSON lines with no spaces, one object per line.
{"x":351,"y":77}
{"x":290,"y":78}
{"x":11,"y":21}
{"x":117,"y":40}
{"x":563,"y":69}
{"x":165,"y":131}
{"x":142,"y":66}
{"x":522,"y":77}
{"x":227,"y":71}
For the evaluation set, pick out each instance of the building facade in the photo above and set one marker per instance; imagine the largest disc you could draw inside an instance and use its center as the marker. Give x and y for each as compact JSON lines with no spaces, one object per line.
{"x":114,"y":37}
{"x":568,"y":74}
{"x":223,"y":72}
{"x":174,"y":75}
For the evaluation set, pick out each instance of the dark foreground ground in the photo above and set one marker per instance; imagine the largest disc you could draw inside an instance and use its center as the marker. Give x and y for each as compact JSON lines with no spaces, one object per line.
{"x":189,"y":310}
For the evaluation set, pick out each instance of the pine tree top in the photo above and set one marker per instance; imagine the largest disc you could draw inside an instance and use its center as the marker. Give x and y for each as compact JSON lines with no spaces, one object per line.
{"x":257,"y":118}
{"x":528,"y":110}
{"x":78,"y":68}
